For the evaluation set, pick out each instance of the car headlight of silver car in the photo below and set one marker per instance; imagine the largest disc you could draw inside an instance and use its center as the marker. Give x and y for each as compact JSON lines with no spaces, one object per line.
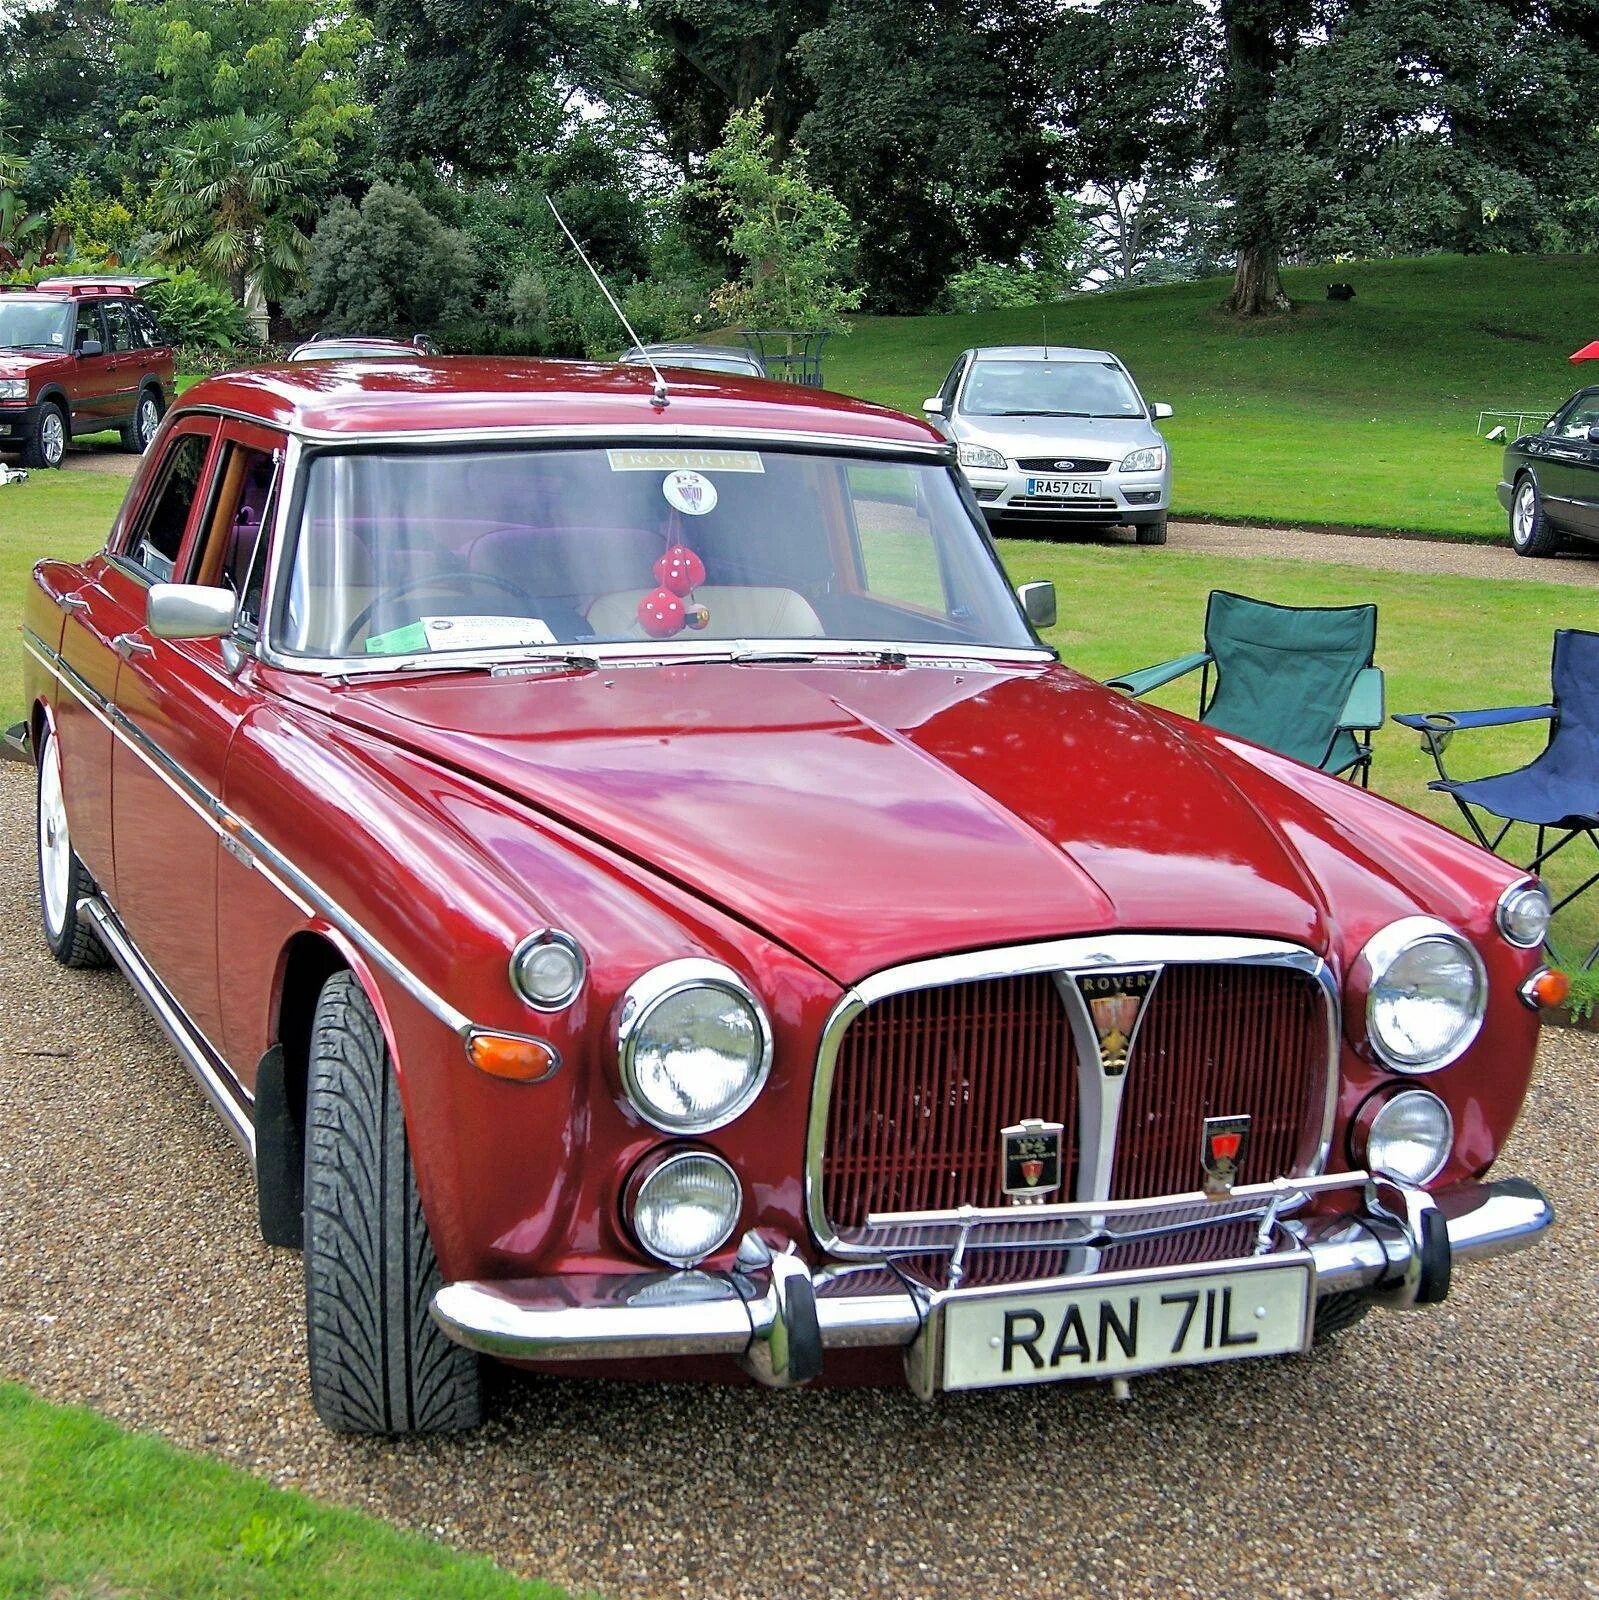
{"x":695,"y":1046}
{"x":1426,"y":992}
{"x":13,"y":388}
{"x":980,"y":455}
{"x":1150,"y":459}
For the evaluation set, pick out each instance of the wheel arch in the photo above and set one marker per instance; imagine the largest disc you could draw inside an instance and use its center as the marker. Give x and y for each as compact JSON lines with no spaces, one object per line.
{"x":54,"y":394}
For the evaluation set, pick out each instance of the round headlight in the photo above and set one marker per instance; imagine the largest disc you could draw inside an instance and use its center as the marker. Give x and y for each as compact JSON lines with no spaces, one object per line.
{"x":1425,"y":994}
{"x":1410,"y":1137}
{"x":695,"y":1045}
{"x":547,"y":969}
{"x":1524,"y":914}
{"x":686,"y":1207}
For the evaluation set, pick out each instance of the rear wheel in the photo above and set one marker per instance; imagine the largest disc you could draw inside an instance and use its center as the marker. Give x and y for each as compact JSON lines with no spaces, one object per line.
{"x":379,"y":1363}
{"x":136,"y":436}
{"x":1531,"y":531}
{"x":46,"y":446}
{"x":63,"y":878}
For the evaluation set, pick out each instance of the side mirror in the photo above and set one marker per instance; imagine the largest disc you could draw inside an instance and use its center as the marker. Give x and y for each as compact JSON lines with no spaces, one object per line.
{"x":1593,"y":435}
{"x":1038,"y":601}
{"x":91,"y":347}
{"x":935,"y":406}
{"x":189,"y":611}
{"x":1160,"y":411}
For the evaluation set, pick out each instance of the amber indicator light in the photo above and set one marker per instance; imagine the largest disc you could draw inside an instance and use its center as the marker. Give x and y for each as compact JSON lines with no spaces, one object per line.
{"x":510,"y":1056}
{"x":1550,"y":987}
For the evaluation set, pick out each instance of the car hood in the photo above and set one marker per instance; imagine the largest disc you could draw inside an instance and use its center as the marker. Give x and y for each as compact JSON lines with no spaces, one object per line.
{"x":19,"y":363}
{"x":866,"y":816}
{"x":1062,"y":436}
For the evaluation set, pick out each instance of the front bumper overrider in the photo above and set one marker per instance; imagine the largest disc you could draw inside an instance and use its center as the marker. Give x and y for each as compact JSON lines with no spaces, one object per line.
{"x":777,"y":1315}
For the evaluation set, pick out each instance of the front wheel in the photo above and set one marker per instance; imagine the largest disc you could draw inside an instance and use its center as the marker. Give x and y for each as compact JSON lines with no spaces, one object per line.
{"x":1151,"y":532}
{"x":136,"y":436}
{"x":46,"y":445}
{"x":63,"y":878}
{"x":379,"y":1363}
{"x":1531,"y":531}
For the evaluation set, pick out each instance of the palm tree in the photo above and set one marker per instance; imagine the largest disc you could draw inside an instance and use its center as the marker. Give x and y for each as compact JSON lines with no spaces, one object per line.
{"x":233,"y":198}
{"x":22,"y":234}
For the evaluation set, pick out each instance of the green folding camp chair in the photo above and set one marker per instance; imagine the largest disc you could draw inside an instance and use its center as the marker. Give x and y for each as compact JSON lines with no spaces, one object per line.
{"x":1298,"y":679}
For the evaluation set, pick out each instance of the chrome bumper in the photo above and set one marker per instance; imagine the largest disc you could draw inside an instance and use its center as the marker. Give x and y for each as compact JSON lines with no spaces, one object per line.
{"x":776,"y":1315}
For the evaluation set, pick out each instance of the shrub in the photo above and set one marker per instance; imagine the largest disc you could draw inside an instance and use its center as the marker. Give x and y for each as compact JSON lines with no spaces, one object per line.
{"x":194,"y":311}
{"x":387,"y":267}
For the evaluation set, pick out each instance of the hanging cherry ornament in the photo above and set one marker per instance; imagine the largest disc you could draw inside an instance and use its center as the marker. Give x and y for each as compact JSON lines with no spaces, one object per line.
{"x":660,"y":614}
{"x":679,"y":570}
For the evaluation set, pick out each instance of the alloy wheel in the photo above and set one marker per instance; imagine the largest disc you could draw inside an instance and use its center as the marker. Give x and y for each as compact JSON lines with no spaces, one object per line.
{"x":148,"y":418}
{"x":1526,"y":512}
{"x":52,"y":438}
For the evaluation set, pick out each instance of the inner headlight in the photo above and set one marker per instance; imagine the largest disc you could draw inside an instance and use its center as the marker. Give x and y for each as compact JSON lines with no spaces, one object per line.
{"x":1410,"y":1137}
{"x":980,"y":455}
{"x":1524,"y":914}
{"x":13,"y":388}
{"x":686,"y":1207}
{"x":1150,"y":459}
{"x":695,"y":1046}
{"x":1425,"y":993}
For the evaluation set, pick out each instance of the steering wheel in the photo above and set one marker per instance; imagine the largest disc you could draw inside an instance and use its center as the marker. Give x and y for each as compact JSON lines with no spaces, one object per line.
{"x":460,"y":582}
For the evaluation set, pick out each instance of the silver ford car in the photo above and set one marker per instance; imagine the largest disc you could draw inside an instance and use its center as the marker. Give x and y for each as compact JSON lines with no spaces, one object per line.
{"x":1051,"y":432}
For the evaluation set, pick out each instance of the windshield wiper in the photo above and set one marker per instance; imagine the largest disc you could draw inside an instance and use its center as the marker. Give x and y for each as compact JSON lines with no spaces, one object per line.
{"x":32,"y":344}
{"x":504,"y":666}
{"x":755,"y":656}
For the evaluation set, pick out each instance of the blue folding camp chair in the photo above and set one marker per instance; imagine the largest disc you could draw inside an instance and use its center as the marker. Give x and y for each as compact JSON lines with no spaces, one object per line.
{"x":1558,"y":792}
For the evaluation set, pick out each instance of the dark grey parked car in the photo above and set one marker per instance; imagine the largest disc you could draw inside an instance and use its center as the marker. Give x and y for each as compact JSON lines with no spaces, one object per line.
{"x":1550,"y":485}
{"x":702,"y":357}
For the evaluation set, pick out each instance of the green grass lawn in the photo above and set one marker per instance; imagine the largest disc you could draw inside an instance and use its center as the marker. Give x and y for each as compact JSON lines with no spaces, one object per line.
{"x":91,"y":1512}
{"x":1356,"y":414}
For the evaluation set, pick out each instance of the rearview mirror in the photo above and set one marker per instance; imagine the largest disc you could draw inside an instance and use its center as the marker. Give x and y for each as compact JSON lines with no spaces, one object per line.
{"x":1038,"y":601}
{"x":1160,"y":411}
{"x":189,"y":611}
{"x":935,"y":406}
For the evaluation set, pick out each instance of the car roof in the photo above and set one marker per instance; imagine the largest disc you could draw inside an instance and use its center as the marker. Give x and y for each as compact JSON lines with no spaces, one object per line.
{"x":1041,"y":352}
{"x":351,"y":399}
{"x":90,"y":288}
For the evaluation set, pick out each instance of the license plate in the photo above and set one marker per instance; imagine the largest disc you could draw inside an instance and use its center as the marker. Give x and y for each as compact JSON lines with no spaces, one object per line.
{"x":1128,"y":1326}
{"x":1064,"y":488}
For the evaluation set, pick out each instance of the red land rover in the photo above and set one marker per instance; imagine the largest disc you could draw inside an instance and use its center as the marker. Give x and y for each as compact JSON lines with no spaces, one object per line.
{"x":79,"y":355}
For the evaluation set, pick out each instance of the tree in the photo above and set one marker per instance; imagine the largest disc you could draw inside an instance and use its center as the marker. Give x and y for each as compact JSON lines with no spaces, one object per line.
{"x":926,"y":126}
{"x":23,"y":234}
{"x":791,"y":236}
{"x":233,"y":201}
{"x":389,"y":266}
{"x":295,"y":61}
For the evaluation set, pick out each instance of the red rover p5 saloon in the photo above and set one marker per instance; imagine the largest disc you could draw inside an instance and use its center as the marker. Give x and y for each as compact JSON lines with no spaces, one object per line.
{"x":632,"y":878}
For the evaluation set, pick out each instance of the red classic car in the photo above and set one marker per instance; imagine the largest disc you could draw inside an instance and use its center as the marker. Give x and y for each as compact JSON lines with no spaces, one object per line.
{"x":79,"y":355}
{"x":631,"y":876}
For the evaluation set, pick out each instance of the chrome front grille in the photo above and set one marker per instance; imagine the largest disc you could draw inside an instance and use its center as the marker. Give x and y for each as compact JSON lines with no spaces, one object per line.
{"x":922,"y":1069}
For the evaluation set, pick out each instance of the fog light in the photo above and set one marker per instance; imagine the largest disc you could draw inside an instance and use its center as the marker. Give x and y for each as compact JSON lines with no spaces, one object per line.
{"x":686,"y":1207}
{"x":547,"y":969}
{"x":1524,"y":914}
{"x":1410,"y":1137}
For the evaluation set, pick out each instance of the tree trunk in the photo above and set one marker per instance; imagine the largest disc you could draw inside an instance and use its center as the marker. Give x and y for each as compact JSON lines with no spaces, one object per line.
{"x":1257,"y":288}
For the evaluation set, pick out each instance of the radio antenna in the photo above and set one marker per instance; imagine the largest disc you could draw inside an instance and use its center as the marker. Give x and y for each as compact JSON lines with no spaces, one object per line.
{"x":660,"y":396}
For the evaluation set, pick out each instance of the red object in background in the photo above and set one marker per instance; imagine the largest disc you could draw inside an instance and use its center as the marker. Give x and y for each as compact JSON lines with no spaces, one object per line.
{"x":1589,"y":352}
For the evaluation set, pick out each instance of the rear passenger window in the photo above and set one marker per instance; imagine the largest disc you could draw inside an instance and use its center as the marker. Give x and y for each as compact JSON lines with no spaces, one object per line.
{"x":118,"y":326}
{"x":160,"y":533}
{"x":145,"y":333}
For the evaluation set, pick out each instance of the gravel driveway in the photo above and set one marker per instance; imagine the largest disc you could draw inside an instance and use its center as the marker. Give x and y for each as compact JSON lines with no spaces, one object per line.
{"x":1432,"y":1455}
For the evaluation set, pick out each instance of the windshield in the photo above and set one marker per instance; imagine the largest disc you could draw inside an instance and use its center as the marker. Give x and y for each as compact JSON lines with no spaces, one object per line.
{"x":398,"y":553}
{"x":328,"y":351}
{"x":1050,"y":389}
{"x":33,"y":324}
{"x":701,"y":363}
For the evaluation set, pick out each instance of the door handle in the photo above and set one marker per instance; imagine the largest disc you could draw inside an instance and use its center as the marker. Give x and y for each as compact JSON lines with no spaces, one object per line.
{"x":129,"y":645}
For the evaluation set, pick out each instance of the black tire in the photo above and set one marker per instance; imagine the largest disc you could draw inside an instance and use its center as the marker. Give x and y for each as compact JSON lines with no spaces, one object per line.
{"x":63,"y":878}
{"x":379,"y":1363}
{"x":46,"y":444}
{"x":1531,"y":531}
{"x":136,"y":436}
{"x":1151,"y":532}
{"x":1335,"y":1312}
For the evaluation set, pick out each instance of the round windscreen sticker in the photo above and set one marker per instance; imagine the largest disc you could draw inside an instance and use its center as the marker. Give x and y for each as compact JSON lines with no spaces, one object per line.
{"x":692,"y":493}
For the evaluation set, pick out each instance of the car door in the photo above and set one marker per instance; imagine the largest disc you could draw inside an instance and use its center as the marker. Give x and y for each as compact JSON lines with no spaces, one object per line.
{"x":1567,"y":466}
{"x":91,"y":380}
{"x":124,"y":360}
{"x":181,"y":704}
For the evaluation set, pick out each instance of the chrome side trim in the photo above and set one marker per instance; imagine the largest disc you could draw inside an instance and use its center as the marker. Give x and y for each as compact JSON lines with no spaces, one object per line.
{"x":243,"y":842}
{"x":1094,"y":952}
{"x":205,"y":1065}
